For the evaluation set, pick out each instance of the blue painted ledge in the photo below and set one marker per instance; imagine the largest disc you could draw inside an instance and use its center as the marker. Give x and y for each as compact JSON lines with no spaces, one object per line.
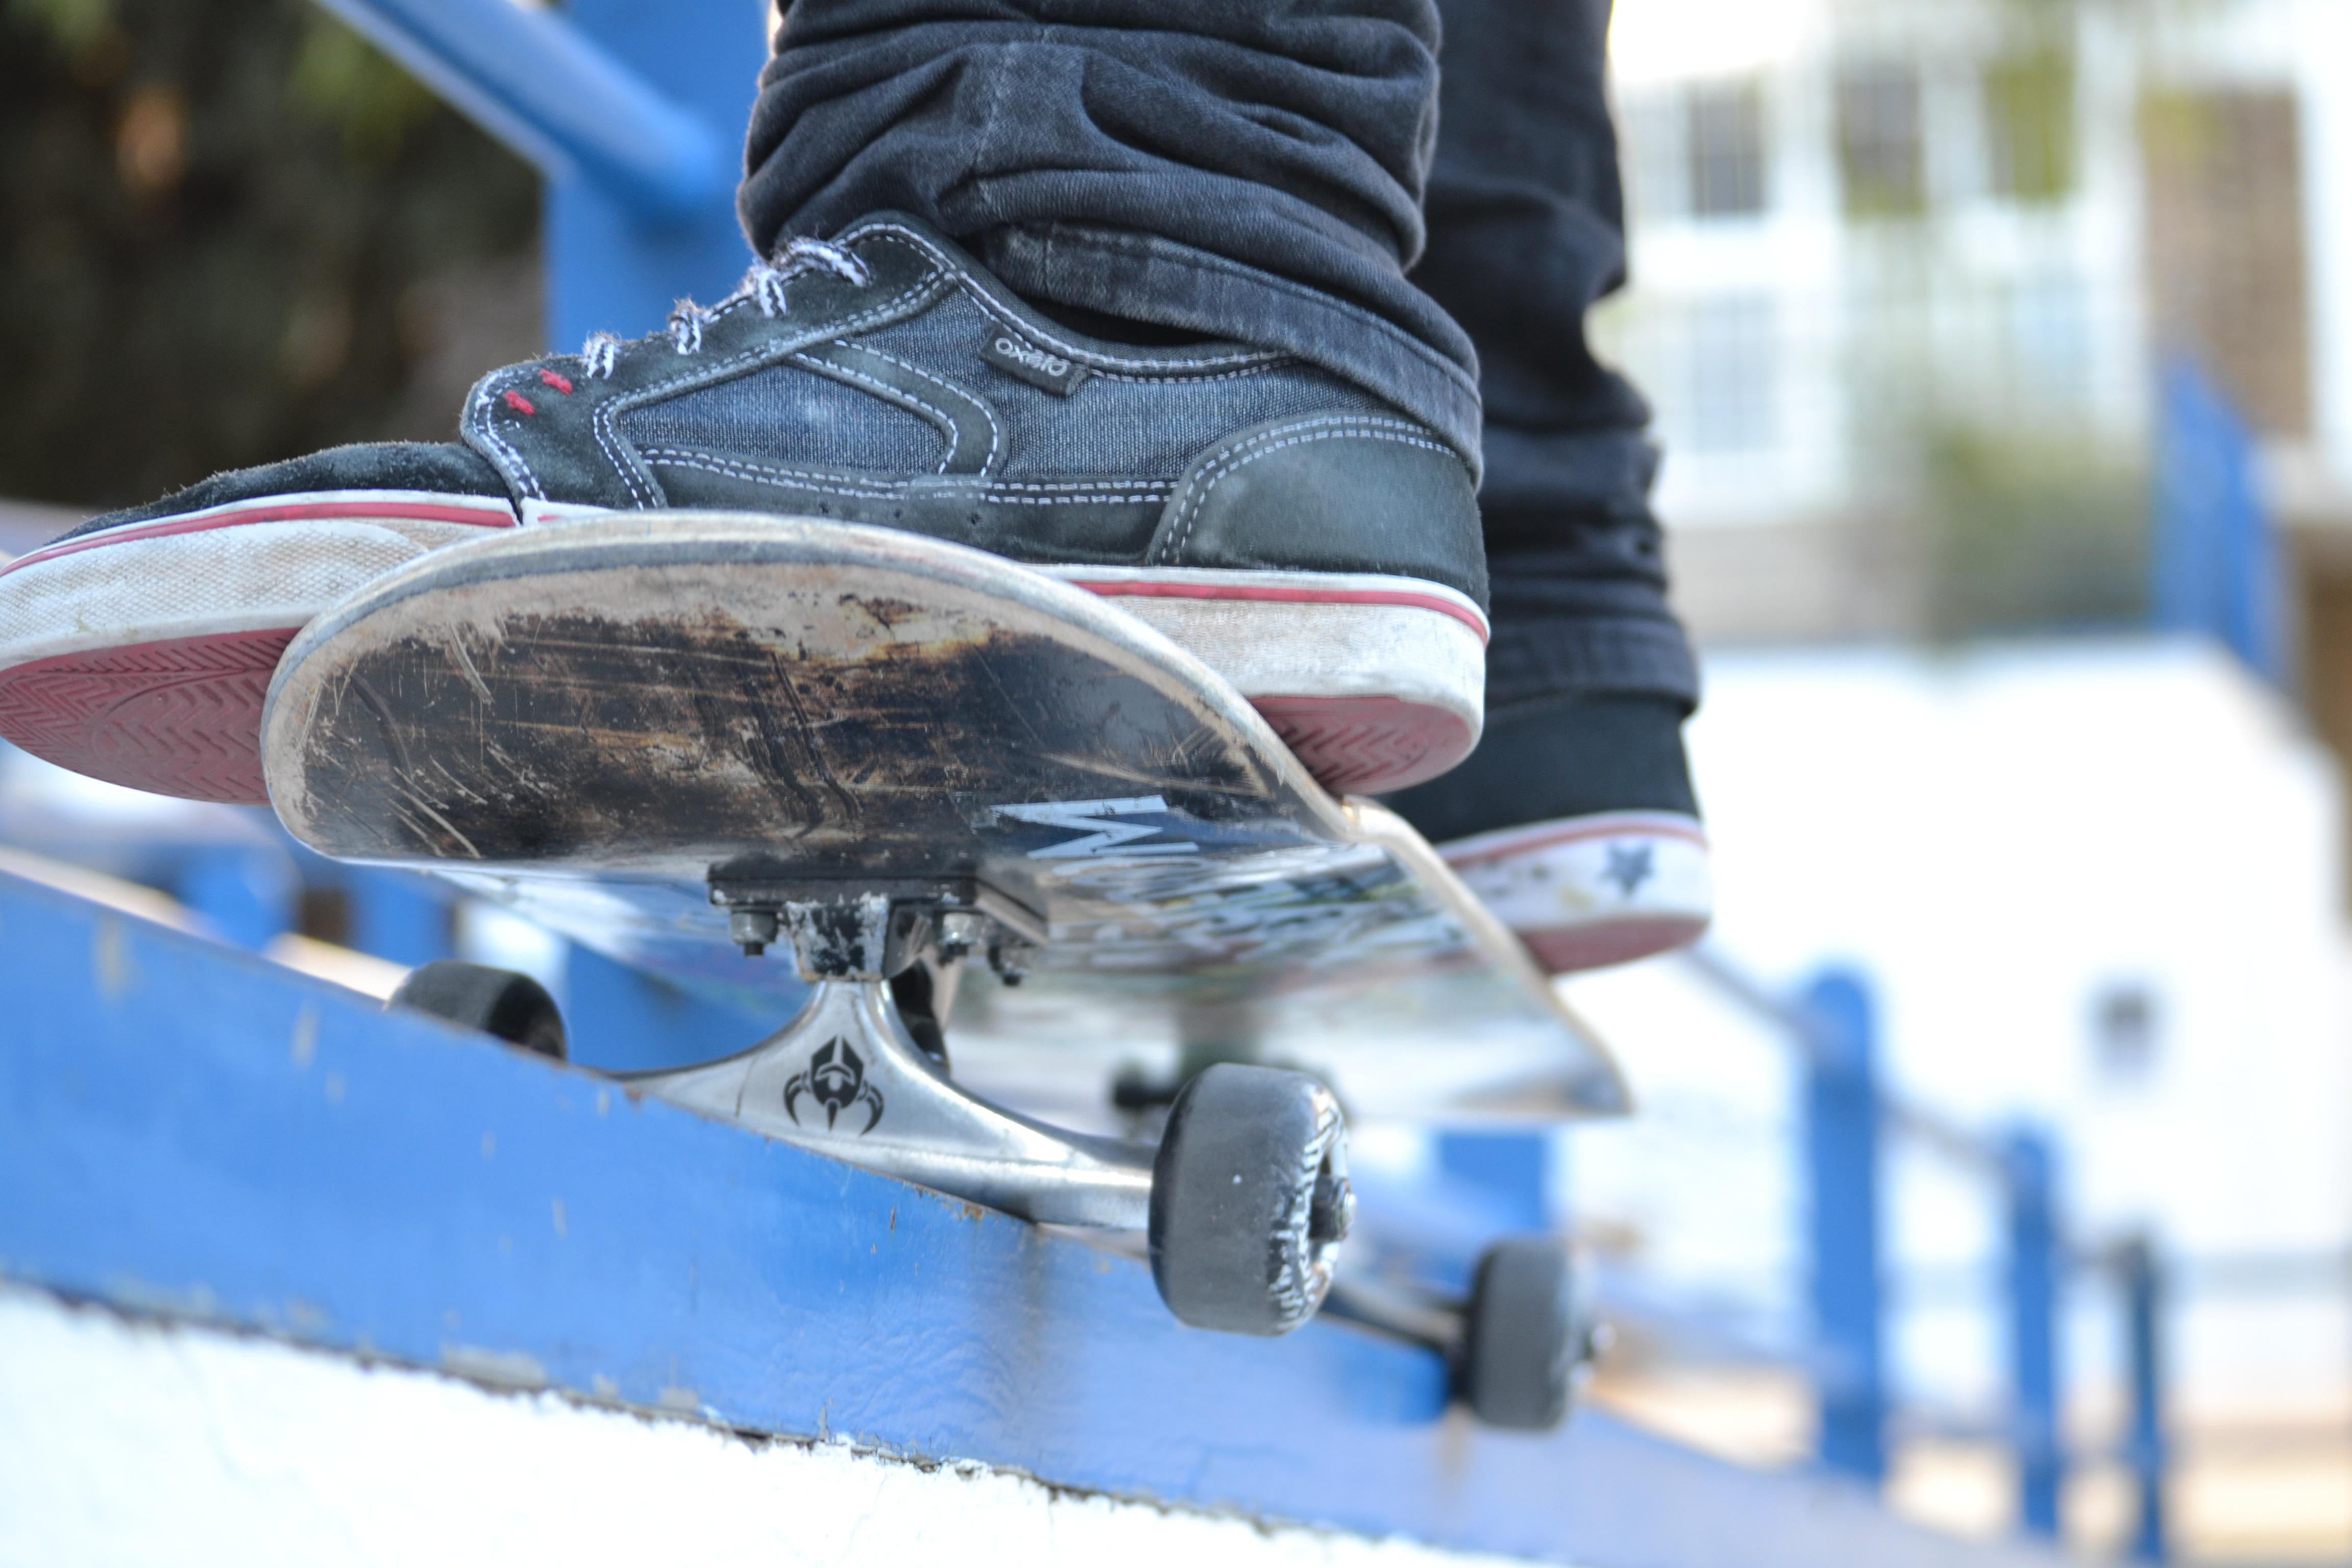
{"x":187,"y":1130}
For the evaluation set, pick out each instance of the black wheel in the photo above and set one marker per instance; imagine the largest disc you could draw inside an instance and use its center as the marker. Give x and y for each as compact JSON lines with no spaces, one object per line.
{"x":1249,"y":1199}
{"x":1521,"y":1337}
{"x":514,"y":1007}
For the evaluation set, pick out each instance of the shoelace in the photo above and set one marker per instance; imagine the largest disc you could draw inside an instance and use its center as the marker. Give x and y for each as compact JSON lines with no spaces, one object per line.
{"x":763,"y":285}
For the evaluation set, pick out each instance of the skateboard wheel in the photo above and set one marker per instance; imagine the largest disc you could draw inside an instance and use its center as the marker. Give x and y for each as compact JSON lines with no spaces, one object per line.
{"x":512,"y":1007}
{"x":1249,"y":1199}
{"x":1520,"y":1344}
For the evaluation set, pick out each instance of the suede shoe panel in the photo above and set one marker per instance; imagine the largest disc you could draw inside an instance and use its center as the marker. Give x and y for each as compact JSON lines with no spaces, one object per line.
{"x":1329,"y":492}
{"x":1109,"y":524}
{"x":442,"y":466}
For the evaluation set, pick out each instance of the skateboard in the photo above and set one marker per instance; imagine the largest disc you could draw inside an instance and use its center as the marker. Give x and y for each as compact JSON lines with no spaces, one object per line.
{"x":991,"y":819}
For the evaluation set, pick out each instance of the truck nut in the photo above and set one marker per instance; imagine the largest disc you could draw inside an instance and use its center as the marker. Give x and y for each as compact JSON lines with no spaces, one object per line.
{"x":751,"y":930}
{"x":1331,"y":1211}
{"x":961,"y":930}
{"x":1010,"y":960}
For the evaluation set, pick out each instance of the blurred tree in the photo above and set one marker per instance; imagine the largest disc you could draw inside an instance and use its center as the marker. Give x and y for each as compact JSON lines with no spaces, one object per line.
{"x":230,"y":231}
{"x":2022,"y":533}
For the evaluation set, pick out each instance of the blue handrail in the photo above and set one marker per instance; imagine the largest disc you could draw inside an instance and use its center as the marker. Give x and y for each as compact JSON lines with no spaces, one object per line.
{"x":1832,"y":1027}
{"x":536,"y":83}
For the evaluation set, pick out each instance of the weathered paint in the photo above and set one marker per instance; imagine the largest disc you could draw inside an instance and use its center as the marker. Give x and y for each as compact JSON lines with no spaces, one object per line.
{"x":183,"y":1144}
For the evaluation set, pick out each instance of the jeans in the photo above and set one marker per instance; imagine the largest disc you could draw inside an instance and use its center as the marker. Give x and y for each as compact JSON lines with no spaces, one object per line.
{"x":1271,"y":171}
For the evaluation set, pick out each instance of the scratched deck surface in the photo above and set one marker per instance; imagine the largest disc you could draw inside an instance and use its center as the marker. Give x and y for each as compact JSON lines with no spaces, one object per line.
{"x":589,"y":722}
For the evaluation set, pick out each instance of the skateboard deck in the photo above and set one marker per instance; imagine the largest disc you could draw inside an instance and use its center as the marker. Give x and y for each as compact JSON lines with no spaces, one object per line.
{"x":652,"y":734}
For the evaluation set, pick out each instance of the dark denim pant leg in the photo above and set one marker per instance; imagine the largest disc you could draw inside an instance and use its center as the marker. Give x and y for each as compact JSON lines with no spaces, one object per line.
{"x":1250,"y":169}
{"x":1526,"y":231}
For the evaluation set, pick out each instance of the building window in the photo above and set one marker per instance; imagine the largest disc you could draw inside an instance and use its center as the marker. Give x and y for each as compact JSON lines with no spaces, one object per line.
{"x":2028,"y":116}
{"x":2048,"y":331}
{"x":1650,"y":132}
{"x":1725,"y":148}
{"x":1879,"y":156}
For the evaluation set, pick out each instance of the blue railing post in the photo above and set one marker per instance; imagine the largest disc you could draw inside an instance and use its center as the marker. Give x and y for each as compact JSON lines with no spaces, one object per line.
{"x":635,"y":109}
{"x":1512,"y":1171}
{"x":1841,"y":1124}
{"x":607,"y":270}
{"x":2034,"y":1264}
{"x":2214,"y":549}
{"x":399,"y":916}
{"x":246,"y":893}
{"x":2142,"y":1287}
{"x":566,"y":99}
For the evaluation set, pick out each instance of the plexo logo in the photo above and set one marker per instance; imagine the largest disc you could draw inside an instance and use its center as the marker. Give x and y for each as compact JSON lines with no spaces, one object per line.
{"x":1033,"y":365}
{"x":836,"y":1079}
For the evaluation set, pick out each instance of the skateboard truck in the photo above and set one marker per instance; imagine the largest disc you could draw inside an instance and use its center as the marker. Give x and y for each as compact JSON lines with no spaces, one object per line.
{"x":1245,"y":1200}
{"x":829,"y":924}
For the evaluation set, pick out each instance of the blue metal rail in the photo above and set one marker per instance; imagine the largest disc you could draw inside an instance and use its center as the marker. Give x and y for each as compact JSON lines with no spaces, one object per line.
{"x":549,"y":92}
{"x":1834,"y":1027}
{"x":633,"y":109}
{"x":188,"y":1130}
{"x":191,"y":1131}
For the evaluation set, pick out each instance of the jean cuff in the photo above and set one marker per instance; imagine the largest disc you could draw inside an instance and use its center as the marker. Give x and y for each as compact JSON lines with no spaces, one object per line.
{"x":1530,"y":660}
{"x":1146,"y":278}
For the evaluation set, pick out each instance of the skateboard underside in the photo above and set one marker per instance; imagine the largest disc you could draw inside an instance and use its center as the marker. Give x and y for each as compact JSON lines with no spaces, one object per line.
{"x":640,"y":732}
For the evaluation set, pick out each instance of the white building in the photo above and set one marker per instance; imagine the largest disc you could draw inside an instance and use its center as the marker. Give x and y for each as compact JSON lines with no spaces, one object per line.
{"x":1859,"y":225}
{"x":2098,"y":885}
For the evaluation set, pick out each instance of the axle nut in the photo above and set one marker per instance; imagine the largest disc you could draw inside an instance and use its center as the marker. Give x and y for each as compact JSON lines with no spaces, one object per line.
{"x":751,"y":930}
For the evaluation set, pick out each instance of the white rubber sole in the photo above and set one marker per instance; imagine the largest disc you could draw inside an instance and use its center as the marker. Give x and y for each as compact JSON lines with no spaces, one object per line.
{"x":1376,"y":682}
{"x":1588,"y":891}
{"x":138,"y":655}
{"x":242,"y":566}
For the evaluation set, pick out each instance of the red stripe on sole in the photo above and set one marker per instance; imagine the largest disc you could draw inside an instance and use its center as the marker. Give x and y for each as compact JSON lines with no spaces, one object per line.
{"x":181,"y":716}
{"x":497,"y":516}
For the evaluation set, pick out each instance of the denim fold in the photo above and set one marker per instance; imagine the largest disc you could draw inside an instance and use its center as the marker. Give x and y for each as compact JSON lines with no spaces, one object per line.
{"x":1274,"y":172}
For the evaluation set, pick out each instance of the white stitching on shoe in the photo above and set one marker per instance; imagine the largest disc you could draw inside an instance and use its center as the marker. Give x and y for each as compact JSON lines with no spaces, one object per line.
{"x":600,"y":353}
{"x":762,"y":287}
{"x":602,"y":422}
{"x":889,"y":394}
{"x":1280,"y":361}
{"x":1325,"y":428}
{"x":483,"y":422}
{"x":995,"y":436}
{"x":1010,"y":491}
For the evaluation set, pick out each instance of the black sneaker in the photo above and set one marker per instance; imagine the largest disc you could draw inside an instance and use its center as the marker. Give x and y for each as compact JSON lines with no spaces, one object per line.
{"x":1575,"y":822}
{"x":1314,"y":546}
